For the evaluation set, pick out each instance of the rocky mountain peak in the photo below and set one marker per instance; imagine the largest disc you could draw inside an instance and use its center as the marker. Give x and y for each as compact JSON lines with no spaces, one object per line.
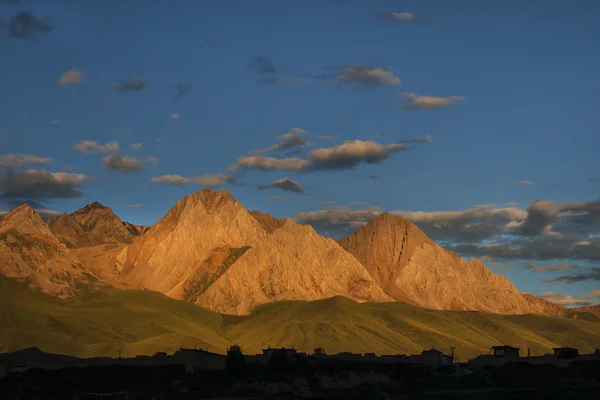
{"x":214,"y":199}
{"x":24,"y":219}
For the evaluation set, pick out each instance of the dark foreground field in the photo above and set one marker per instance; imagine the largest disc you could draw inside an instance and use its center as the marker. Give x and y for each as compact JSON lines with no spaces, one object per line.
{"x":325,"y":380}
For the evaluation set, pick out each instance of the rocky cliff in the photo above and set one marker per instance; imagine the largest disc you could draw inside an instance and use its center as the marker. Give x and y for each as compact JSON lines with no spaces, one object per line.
{"x":411,"y":267}
{"x":29,"y":252}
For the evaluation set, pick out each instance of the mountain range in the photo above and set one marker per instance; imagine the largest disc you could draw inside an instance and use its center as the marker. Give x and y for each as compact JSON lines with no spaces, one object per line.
{"x":210,"y":251}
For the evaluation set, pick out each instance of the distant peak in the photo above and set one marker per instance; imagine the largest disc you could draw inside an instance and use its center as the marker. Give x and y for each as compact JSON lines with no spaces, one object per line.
{"x":23,"y":217}
{"x":210,"y":198}
{"x":387,"y":218}
{"x":23,"y":210}
{"x":94,"y":205}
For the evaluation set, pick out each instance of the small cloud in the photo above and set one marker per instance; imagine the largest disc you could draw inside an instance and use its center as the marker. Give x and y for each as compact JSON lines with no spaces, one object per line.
{"x":583,"y":243}
{"x":373,"y":176}
{"x":526,"y":183}
{"x":67,"y":167}
{"x":397,"y":16}
{"x":151,"y":160}
{"x":416,"y":101}
{"x":594,"y":294}
{"x":135,"y":83}
{"x":9,"y":161}
{"x":232,"y":168}
{"x":547,"y":268}
{"x":208,"y":180}
{"x":271,"y":163}
{"x":25,"y":25}
{"x":326,"y":137}
{"x":293,"y":138}
{"x":425,"y":139}
{"x":85,"y":146}
{"x":136,"y":206}
{"x":563,"y":299}
{"x":366,"y":77}
{"x":182,"y":89}
{"x":511,"y":204}
{"x":122,"y":164}
{"x":71,"y":77}
{"x":55,"y":121}
{"x":262,"y":65}
{"x":286,"y":184}
{"x":351,"y":153}
{"x":175,"y":116}
{"x":136,"y":146}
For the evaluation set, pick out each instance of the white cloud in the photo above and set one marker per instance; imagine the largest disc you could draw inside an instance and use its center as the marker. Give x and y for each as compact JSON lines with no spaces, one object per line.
{"x":136,"y":146}
{"x":175,"y":116}
{"x":563,"y":299}
{"x":71,"y":77}
{"x":88,"y":145}
{"x":271,"y":163}
{"x":524,"y":182}
{"x":20,"y":160}
{"x":367,"y":76}
{"x":398,"y":16}
{"x":416,"y":101}
{"x":136,"y":205}
{"x":122,"y":164}
{"x":208,"y":180}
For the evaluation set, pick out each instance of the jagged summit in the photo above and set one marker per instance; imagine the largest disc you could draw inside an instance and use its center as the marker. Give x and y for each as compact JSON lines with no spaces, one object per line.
{"x":24,"y":219}
{"x":91,"y":225}
{"x":92,"y":206}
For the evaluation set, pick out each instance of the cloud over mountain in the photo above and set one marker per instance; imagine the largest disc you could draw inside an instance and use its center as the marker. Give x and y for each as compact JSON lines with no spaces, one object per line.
{"x":286,"y":184}
{"x":206,"y":180}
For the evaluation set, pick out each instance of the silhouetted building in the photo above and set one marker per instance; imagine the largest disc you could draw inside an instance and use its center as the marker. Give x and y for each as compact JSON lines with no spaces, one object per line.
{"x":195,"y":360}
{"x":505,"y":351}
{"x":565,"y":352}
{"x":3,"y":370}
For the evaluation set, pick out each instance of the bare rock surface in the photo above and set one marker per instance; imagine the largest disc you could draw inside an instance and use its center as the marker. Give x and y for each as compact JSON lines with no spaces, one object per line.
{"x":93,"y":225}
{"x":411,"y":267}
{"x":294,"y":263}
{"x":168,"y":254}
{"x":29,"y":252}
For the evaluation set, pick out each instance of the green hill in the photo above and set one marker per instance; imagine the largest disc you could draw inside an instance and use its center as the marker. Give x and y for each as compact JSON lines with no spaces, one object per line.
{"x":144,"y":322}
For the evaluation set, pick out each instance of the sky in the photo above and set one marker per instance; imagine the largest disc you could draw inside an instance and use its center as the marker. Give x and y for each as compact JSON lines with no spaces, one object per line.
{"x":479,"y":121}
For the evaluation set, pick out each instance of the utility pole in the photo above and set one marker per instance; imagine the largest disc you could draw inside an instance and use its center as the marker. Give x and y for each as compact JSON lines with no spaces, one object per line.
{"x":452,"y":348}
{"x":529,"y":352}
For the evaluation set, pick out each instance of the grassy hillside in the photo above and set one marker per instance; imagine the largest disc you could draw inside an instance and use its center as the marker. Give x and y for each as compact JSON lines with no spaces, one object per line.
{"x":144,"y":322}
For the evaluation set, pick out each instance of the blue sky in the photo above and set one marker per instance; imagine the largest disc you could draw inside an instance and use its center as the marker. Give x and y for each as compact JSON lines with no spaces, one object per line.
{"x":508,"y":92}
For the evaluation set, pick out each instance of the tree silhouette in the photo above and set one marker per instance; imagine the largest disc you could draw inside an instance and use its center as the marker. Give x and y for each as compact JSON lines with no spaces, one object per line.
{"x":235,"y":361}
{"x":319,"y":351}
